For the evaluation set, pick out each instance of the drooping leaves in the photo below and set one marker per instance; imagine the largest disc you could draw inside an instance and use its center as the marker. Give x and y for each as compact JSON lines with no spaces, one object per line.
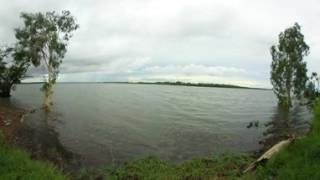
{"x":44,"y":38}
{"x":288,"y":70}
{"x":43,"y":41}
{"x":11,"y":70}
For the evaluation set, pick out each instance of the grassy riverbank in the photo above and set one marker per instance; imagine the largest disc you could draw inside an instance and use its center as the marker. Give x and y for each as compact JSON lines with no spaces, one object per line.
{"x":301,"y":160}
{"x":225,"y":166}
{"x":17,"y":164}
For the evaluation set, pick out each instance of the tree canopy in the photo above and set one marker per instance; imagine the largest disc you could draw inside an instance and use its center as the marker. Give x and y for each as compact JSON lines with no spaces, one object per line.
{"x":11,"y":70}
{"x":43,"y":41}
{"x":288,"y":70}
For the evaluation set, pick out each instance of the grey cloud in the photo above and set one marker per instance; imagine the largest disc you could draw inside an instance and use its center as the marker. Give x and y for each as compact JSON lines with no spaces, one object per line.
{"x":132,"y":39}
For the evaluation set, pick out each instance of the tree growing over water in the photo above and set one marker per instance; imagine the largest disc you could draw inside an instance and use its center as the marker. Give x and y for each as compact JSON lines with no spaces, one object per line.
{"x":43,"y":41}
{"x":312,"y":91}
{"x":288,"y":70}
{"x":12,"y":70}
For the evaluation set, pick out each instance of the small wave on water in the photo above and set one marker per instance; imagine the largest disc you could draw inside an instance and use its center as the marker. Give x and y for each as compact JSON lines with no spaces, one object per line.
{"x":114,"y":123}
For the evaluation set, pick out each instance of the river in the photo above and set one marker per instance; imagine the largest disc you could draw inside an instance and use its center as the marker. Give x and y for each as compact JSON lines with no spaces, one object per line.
{"x":113,"y":123}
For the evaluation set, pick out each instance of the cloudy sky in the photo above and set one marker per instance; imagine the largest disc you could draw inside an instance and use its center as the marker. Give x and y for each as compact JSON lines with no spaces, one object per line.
{"x":217,"y":41}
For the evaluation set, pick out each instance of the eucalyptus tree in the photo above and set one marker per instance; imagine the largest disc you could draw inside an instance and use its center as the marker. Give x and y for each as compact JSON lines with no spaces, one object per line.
{"x":12,"y":70}
{"x":43,"y":40}
{"x":288,"y":70}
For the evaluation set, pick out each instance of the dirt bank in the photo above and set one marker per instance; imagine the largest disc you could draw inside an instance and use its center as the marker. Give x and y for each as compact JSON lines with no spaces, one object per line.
{"x":41,"y":143}
{"x":10,"y":122}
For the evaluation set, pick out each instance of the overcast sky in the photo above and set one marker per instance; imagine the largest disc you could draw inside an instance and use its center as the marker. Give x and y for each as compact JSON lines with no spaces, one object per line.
{"x":217,"y":41}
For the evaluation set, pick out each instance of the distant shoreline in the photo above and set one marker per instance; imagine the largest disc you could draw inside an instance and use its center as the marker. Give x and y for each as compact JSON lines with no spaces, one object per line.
{"x":178,"y":83}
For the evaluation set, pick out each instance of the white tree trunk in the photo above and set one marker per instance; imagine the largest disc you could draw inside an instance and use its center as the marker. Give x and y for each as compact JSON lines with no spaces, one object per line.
{"x":48,"y":91}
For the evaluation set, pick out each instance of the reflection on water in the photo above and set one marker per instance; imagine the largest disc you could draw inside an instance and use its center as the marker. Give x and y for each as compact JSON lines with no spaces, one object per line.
{"x":112,"y":123}
{"x":42,"y":140}
{"x":285,"y":124}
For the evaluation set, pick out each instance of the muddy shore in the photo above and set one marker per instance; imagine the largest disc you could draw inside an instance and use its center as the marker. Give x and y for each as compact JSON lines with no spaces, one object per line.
{"x":41,"y":146}
{"x":10,"y":123}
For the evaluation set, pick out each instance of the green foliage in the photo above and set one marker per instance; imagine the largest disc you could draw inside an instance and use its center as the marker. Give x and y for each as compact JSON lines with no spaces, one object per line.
{"x":44,"y":37}
{"x":43,"y":40}
{"x":288,"y":70}
{"x":11,"y":70}
{"x":312,"y":91}
{"x":315,"y":126}
{"x":16,"y":164}
{"x":223,"y":166}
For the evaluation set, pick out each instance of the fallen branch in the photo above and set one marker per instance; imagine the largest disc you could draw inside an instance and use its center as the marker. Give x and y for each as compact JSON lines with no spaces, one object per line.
{"x":268,"y":154}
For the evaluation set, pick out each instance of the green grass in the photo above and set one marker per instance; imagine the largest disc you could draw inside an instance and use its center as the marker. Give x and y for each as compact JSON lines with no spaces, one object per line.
{"x":216,"y":167}
{"x":301,"y":160}
{"x":17,"y":164}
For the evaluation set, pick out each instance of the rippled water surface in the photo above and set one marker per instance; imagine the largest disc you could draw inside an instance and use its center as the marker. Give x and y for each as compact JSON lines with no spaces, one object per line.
{"x":112,"y":123}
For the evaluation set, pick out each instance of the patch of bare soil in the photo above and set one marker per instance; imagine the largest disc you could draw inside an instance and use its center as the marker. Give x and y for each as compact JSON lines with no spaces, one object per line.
{"x":10,"y":122}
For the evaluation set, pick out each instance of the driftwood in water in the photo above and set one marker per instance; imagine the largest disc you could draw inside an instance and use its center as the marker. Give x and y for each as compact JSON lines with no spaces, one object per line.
{"x":268,"y":154}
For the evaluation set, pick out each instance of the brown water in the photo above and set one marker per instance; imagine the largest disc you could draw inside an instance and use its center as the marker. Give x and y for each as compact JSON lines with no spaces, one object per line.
{"x":112,"y":123}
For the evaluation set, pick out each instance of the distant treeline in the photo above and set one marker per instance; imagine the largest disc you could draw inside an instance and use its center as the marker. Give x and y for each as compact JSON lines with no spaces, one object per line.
{"x":179,"y":83}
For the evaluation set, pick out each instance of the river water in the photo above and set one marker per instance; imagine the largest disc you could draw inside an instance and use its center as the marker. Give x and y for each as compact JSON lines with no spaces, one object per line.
{"x":113,"y":123}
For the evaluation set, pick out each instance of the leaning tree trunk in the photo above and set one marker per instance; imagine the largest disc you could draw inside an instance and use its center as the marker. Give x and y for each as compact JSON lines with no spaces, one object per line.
{"x":48,"y":91}
{"x":48,"y":98}
{"x":5,"y":90}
